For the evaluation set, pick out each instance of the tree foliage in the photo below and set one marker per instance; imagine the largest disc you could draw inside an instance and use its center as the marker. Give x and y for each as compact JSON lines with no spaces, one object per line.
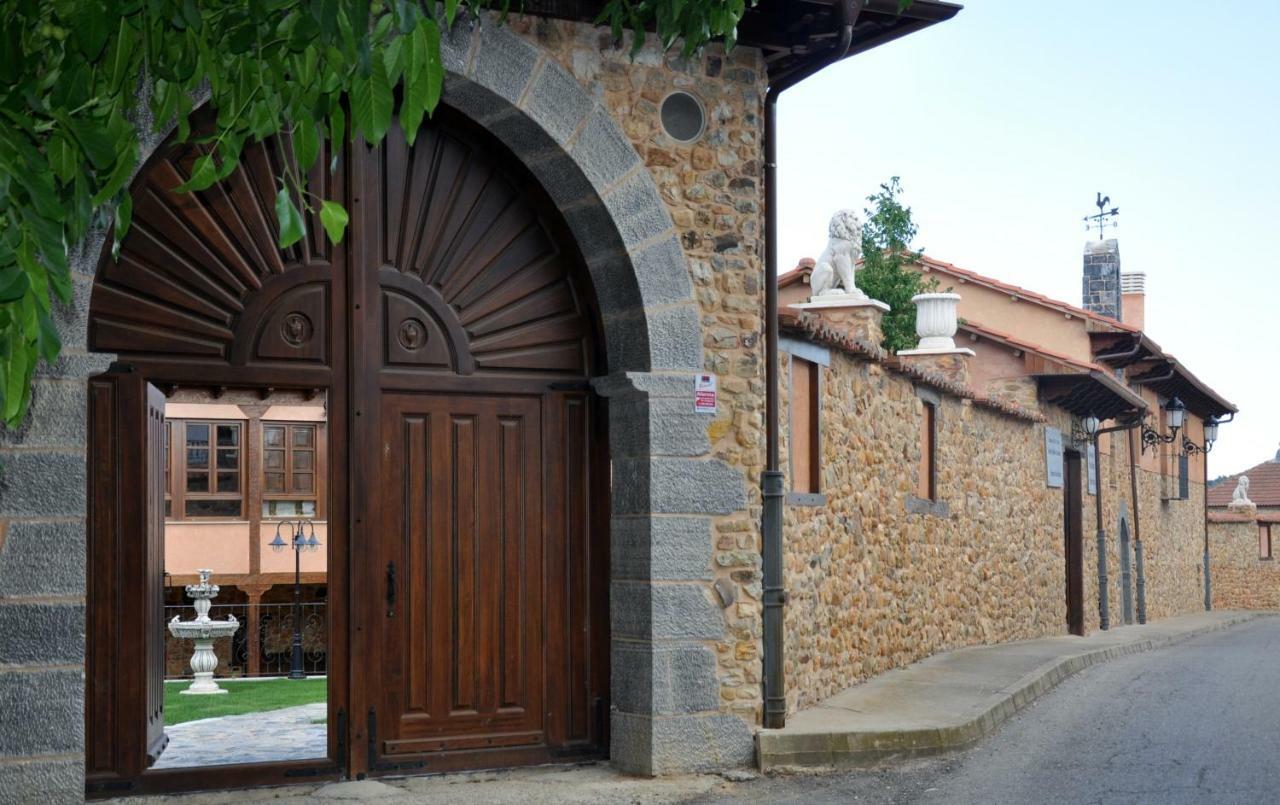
{"x":75,"y":76}
{"x":887,"y":234}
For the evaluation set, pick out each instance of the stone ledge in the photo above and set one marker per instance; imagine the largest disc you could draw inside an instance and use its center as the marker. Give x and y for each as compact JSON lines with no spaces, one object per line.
{"x":844,"y":744}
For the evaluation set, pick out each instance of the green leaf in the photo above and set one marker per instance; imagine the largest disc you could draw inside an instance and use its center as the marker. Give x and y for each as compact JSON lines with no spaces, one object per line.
{"x":289,"y":219}
{"x":63,"y":158}
{"x":371,"y":103}
{"x":49,"y":342}
{"x":95,"y":141}
{"x":121,"y":53}
{"x":204,"y":172}
{"x":13,"y":284}
{"x":334,"y":219}
{"x":306,"y":141}
{"x":120,"y":225}
{"x":119,"y":177}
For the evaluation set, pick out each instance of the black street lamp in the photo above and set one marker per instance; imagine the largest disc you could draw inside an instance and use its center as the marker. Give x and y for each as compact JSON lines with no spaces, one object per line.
{"x":299,"y":541}
{"x":1176,"y":412}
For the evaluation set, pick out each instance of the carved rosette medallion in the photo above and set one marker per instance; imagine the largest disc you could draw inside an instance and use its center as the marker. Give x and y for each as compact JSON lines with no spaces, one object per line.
{"x":296,"y":329}
{"x":412,"y":334}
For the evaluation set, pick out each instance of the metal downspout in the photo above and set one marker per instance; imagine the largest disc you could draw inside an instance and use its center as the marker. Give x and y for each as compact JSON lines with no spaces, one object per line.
{"x":1208,"y":585}
{"x":1137,"y":531}
{"x":1104,"y":602}
{"x":771,"y":480}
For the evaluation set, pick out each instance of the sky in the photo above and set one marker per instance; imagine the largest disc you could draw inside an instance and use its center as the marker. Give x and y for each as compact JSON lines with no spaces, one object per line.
{"x":1005,"y":122}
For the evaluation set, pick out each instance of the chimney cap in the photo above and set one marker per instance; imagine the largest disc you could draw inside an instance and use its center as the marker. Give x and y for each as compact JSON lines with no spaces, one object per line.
{"x":1133,"y":282}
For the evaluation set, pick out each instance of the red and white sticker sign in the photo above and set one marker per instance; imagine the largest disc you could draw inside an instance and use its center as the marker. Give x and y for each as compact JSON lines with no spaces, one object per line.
{"x":704,"y":394}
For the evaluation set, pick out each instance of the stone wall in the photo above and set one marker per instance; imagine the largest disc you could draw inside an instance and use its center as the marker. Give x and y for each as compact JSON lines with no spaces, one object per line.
{"x":1241,"y":579}
{"x":878,"y":579}
{"x":712,"y":190}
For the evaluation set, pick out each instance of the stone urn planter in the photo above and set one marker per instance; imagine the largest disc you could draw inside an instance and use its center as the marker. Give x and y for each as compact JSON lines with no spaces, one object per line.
{"x":936,"y":320}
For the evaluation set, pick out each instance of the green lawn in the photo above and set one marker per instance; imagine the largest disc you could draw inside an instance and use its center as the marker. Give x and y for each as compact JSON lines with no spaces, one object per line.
{"x":241,"y":697}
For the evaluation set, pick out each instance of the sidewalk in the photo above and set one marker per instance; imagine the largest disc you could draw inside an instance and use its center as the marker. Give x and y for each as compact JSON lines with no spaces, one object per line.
{"x":950,"y":701}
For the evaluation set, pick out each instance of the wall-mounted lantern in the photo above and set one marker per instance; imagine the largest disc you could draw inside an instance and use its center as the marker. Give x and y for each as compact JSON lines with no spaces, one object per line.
{"x":1176,"y":413}
{"x":1190,"y":448}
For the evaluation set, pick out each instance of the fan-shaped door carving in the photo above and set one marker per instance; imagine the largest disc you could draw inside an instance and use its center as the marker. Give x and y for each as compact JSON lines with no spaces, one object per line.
{"x":468,"y":254}
{"x":454,"y":331}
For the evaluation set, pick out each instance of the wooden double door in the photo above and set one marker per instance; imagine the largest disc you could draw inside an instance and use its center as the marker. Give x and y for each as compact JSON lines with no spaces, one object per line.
{"x":453,"y":333}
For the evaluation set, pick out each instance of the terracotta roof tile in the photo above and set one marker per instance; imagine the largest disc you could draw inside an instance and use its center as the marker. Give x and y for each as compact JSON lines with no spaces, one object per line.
{"x":1013,"y":340}
{"x":1024,"y":293}
{"x":1264,"y":486}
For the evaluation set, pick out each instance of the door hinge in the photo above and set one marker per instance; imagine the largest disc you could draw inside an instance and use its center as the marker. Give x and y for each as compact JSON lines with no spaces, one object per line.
{"x":373,"y":736}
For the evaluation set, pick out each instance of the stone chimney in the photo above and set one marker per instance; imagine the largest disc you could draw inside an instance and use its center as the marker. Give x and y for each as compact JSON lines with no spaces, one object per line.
{"x":1133,"y":299}
{"x":1102,"y":277}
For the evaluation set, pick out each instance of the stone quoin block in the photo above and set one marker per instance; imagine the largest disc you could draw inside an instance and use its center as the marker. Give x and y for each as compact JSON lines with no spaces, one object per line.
{"x":614,"y":279}
{"x":41,"y":634}
{"x":654,"y":745}
{"x":662,"y":273}
{"x":675,"y":338}
{"x":638,"y":210}
{"x":42,"y":485}
{"x":475,"y":101}
{"x":504,"y":62}
{"x":74,"y":365}
{"x":603,"y":151}
{"x":677,"y":486}
{"x":43,"y":559}
{"x":665,"y":679}
{"x":41,"y":712}
{"x":557,"y":103}
{"x":665,"y":426}
{"x":56,"y":418}
{"x":660,"y":548}
{"x":627,"y":339}
{"x":49,"y":782}
{"x":455,"y":43}
{"x":642,"y":611}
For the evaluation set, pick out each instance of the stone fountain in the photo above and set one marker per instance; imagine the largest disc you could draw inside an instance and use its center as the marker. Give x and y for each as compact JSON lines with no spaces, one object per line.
{"x":203,"y":630}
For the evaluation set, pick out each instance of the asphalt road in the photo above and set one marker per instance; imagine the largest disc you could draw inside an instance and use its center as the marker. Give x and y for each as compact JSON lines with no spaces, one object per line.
{"x":1198,"y":722}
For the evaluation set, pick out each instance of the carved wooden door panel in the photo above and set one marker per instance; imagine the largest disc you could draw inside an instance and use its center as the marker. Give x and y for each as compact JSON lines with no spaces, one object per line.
{"x":155,"y":467}
{"x":491,"y":632}
{"x":462,"y":547}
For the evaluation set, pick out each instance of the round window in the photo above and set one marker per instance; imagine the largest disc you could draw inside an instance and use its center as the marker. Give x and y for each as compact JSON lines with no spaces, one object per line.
{"x":683,"y":117}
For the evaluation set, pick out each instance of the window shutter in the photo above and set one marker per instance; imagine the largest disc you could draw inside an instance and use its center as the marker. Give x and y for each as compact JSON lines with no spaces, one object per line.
{"x":1184,"y":481}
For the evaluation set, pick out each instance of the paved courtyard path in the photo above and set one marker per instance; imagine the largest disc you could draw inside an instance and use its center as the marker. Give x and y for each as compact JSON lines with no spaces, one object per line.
{"x":290,"y":733}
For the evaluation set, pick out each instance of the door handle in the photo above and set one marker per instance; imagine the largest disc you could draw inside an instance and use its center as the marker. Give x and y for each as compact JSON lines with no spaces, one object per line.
{"x":391,"y":589}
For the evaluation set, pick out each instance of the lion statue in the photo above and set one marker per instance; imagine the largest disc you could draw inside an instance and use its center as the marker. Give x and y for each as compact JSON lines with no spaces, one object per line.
{"x":833,"y":273}
{"x":1240,"y":497}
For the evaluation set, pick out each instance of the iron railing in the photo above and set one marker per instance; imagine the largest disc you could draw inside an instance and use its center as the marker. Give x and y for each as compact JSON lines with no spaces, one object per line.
{"x":271,"y":637}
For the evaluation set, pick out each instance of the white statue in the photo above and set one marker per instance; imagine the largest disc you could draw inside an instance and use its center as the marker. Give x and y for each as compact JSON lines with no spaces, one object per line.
{"x":833,"y":273}
{"x":1240,"y":497}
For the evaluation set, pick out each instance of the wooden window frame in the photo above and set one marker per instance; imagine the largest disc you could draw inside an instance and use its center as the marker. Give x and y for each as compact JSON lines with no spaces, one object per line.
{"x":811,"y":359}
{"x":177,"y":494}
{"x":1265,"y":529}
{"x":319,"y":468}
{"x":927,"y":481}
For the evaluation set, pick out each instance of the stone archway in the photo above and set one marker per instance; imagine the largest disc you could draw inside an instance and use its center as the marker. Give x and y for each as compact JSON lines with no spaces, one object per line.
{"x":666,"y":712}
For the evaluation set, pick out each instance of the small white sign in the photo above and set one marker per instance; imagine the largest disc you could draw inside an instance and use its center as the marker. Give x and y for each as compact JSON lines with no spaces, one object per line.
{"x":704,"y":394}
{"x":1053,"y":457}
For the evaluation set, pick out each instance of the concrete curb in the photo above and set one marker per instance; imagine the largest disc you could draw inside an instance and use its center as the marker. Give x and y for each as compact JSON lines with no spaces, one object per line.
{"x":778,"y":749}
